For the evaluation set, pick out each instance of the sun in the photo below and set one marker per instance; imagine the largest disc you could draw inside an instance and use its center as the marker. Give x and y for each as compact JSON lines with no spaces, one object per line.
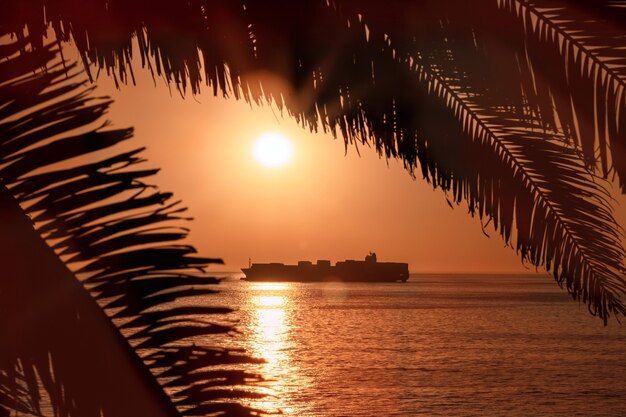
{"x":272,"y":150}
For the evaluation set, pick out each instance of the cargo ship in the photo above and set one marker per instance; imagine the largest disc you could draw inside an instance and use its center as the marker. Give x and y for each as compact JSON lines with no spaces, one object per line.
{"x":369,"y":270}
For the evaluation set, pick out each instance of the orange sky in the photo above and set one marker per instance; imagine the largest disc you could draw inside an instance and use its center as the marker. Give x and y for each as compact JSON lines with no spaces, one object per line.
{"x":321,"y":205}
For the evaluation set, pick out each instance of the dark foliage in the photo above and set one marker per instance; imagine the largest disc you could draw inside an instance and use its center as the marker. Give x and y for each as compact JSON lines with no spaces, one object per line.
{"x":119,"y":235}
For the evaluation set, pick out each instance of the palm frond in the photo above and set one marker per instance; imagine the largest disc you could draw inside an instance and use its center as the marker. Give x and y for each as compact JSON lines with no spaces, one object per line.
{"x":579,"y":48}
{"x":514,"y":170}
{"x":489,"y":150}
{"x":63,"y":219}
{"x":558,"y":210}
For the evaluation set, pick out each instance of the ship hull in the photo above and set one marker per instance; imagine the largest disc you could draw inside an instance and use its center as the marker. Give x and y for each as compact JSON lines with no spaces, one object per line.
{"x":347,"y":271}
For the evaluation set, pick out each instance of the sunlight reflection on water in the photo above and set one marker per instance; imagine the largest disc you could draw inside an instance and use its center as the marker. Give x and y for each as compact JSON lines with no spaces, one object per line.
{"x":443,"y":346}
{"x":269,"y":339}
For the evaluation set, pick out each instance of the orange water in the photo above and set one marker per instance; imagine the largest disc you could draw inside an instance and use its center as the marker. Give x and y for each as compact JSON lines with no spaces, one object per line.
{"x":440,"y":345}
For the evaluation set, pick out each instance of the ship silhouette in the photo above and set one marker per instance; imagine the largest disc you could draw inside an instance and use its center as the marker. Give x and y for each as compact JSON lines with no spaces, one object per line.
{"x":369,"y":270}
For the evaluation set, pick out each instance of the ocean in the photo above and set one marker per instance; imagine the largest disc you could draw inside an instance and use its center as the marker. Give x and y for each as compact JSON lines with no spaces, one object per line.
{"x":439,"y":345}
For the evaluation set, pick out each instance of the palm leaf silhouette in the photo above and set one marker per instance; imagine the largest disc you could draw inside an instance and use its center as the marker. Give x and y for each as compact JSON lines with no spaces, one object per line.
{"x":529,"y":181}
{"x":99,"y":221}
{"x":583,"y":43}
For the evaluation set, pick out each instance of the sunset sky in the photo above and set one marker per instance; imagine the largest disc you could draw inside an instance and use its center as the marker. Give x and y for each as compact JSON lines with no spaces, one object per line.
{"x":322,"y":204}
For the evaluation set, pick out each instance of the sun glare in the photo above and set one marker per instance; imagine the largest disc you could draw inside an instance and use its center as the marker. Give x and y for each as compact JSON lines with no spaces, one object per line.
{"x":272,"y":150}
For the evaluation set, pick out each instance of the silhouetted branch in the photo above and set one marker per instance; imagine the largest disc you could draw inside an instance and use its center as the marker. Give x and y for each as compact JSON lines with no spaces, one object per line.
{"x":119,"y":235}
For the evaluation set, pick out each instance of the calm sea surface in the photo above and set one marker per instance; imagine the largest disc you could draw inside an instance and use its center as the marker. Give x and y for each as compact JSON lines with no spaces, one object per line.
{"x":439,"y":345}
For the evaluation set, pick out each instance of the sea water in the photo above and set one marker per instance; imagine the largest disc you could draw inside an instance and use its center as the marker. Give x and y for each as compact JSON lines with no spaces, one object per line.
{"x":439,"y":345}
